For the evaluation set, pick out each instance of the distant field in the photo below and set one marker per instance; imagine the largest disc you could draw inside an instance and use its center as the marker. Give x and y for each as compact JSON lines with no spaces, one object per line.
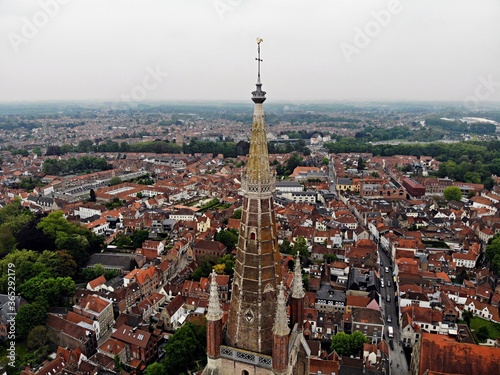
{"x":493,"y":328}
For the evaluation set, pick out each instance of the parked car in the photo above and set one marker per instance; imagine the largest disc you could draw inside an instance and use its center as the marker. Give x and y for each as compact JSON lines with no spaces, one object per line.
{"x":389,"y":319}
{"x":386,"y":269}
{"x":391,"y":344}
{"x":389,"y":283}
{"x":388,"y":299}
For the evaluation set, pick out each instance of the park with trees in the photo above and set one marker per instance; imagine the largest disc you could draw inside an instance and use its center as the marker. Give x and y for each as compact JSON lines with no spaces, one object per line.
{"x":46,"y":253}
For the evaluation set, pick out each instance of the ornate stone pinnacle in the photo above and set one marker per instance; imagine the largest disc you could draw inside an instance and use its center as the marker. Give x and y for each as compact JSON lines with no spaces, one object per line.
{"x":298,"y":287}
{"x":280,"y":327}
{"x":214,"y":310}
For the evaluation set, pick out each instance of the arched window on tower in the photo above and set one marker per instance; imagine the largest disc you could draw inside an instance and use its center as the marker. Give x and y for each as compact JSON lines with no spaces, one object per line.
{"x":252,"y":236}
{"x":244,"y":372}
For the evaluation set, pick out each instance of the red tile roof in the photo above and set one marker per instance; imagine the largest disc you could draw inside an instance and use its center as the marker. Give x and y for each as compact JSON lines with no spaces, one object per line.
{"x":442,"y":354}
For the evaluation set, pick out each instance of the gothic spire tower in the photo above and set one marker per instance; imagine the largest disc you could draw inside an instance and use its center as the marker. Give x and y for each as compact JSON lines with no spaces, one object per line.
{"x":256,"y":271}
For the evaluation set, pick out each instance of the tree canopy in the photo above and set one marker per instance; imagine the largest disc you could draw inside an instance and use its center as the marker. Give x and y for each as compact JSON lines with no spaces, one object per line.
{"x":228,"y":237}
{"x":75,"y":165}
{"x":28,"y":317}
{"x":300,"y":246}
{"x":492,"y":253}
{"x":184,"y":348}
{"x":347,"y":345}
{"x":452,"y":193}
{"x":78,"y":241}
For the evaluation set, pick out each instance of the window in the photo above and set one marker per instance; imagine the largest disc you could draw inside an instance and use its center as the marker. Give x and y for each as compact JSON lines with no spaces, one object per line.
{"x":244,"y":372}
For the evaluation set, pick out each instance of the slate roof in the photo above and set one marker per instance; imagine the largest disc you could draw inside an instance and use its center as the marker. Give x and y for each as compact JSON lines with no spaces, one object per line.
{"x":113,"y":260}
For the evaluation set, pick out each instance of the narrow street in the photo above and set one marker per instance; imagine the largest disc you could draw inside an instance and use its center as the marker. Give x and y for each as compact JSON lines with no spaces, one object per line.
{"x":397,"y":359}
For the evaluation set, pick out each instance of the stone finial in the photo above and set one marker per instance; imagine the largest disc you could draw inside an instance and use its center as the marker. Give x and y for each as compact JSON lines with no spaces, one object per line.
{"x":280,"y":327}
{"x":214,"y":310}
{"x":298,"y":287}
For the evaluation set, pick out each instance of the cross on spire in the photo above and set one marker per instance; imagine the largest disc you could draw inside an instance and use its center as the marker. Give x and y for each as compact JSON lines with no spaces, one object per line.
{"x":259,"y":60}
{"x":258,"y":96}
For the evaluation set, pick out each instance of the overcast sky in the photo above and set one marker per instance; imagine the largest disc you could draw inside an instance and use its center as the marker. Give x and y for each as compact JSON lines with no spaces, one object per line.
{"x":326,"y":50}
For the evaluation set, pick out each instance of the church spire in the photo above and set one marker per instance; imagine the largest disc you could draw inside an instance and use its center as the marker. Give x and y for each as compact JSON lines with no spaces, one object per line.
{"x":258,"y":177}
{"x":298,"y":287}
{"x":257,"y":270}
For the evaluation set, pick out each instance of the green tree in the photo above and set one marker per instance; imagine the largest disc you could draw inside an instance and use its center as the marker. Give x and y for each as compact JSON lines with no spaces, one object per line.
{"x":37,"y":151}
{"x":204,"y":269}
{"x":53,"y":150}
{"x":330,"y":258}
{"x":28,"y":317}
{"x":78,"y":241}
{"x":482,"y":333}
{"x":92,"y":197}
{"x":58,"y":263}
{"x":492,"y":253}
{"x":37,"y":337}
{"x":361,"y":164}
{"x":237,"y":214}
{"x":76,"y":245}
{"x":466,"y":316}
{"x":358,"y":339}
{"x":452,"y":193}
{"x":118,"y":364}
{"x":495,"y":263}
{"x":122,"y":240}
{"x":228,"y":237}
{"x":180,"y":349}
{"x":292,"y":163}
{"x":341,"y":344}
{"x":228,"y":262}
{"x":115,"y":181}
{"x":54,"y":223}
{"x":7,"y":241}
{"x":25,"y":266}
{"x":300,"y":246}
{"x":347,"y":345}
{"x":138,"y":238}
{"x":14,"y":217}
{"x":85,"y":145}
{"x":94,"y":272}
{"x":48,"y":289}
{"x":155,"y":368}
{"x":285,"y":247}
